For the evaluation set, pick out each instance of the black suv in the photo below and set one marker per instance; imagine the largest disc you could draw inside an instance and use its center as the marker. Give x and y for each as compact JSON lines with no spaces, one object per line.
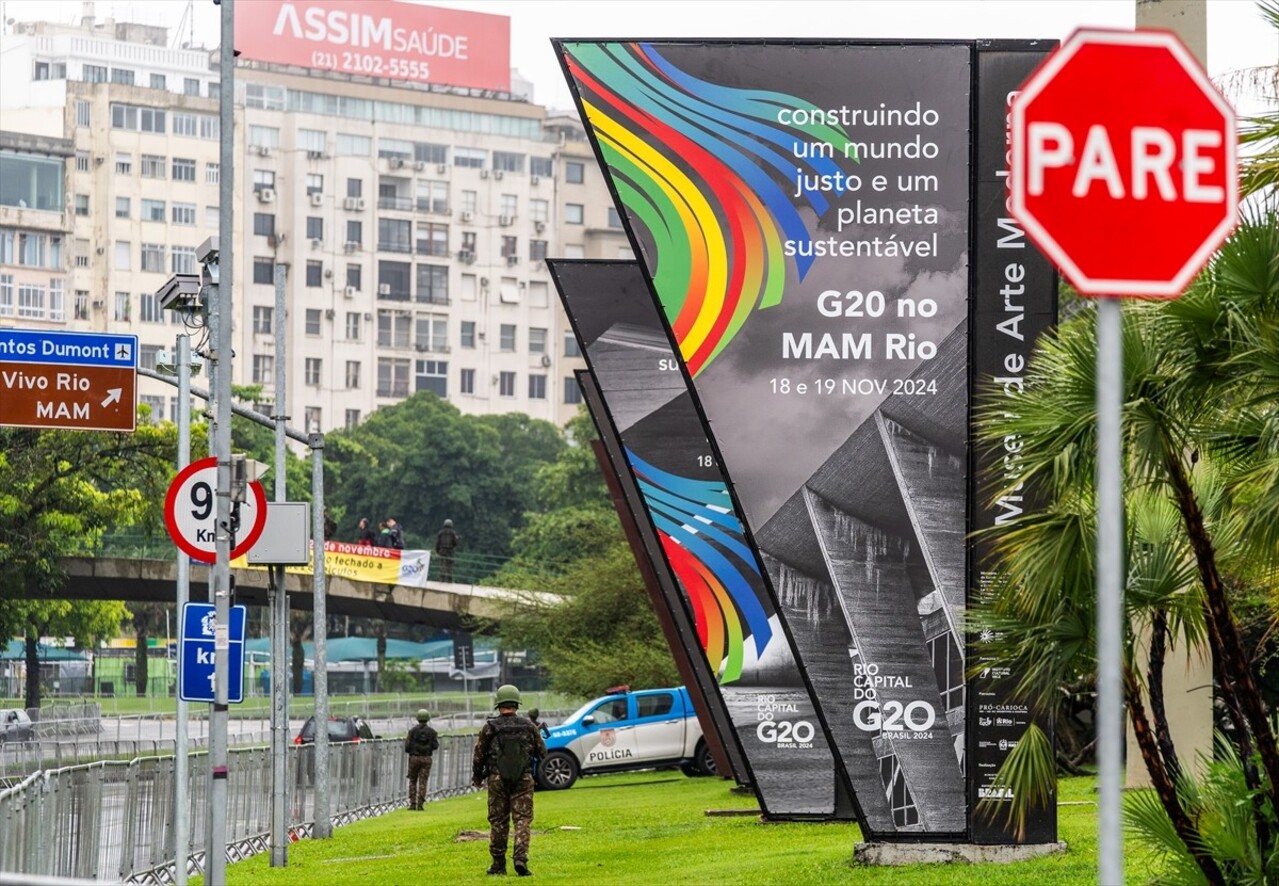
{"x":340,"y":729}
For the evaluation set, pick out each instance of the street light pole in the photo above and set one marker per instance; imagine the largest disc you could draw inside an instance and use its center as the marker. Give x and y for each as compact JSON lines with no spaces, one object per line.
{"x":181,"y":762}
{"x":279,"y":603}
{"x":220,"y":316}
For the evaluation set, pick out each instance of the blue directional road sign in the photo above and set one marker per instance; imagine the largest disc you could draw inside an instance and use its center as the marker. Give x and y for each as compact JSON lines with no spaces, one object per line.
{"x":197,"y":643}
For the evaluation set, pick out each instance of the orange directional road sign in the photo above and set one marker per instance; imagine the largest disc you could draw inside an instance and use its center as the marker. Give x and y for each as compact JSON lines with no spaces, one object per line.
{"x":68,"y":380}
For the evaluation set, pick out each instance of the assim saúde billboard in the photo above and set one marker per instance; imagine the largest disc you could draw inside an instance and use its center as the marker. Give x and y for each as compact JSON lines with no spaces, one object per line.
{"x":379,"y":38}
{"x":803,"y":212}
{"x":721,"y":591}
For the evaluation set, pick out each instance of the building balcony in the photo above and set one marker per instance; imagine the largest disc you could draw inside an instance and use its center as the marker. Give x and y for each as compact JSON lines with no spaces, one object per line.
{"x":405,"y":204}
{"x":394,"y":246}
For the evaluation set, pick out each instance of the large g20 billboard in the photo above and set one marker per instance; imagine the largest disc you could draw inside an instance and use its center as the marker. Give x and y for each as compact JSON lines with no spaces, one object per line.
{"x":809,"y":217}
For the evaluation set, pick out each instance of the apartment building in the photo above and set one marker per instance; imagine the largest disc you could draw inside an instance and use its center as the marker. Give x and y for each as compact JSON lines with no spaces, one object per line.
{"x":413,"y":219}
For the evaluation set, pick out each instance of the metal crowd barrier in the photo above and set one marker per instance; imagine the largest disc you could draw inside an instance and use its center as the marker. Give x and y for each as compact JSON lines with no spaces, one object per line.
{"x":114,"y":820}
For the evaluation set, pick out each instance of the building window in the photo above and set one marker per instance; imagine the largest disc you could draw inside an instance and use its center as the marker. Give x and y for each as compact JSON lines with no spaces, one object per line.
{"x":158,"y":81}
{"x":137,"y":119}
{"x":392,"y":377}
{"x":123,"y":207}
{"x":57,"y":294}
{"x":81,"y":306}
{"x":212,"y":173}
{"x":314,"y":273}
{"x":122,"y":253}
{"x":123,"y":76}
{"x":314,"y":228}
{"x":393,"y":280}
{"x":182,"y":259}
{"x":314,"y":184}
{"x":394,"y":328}
{"x":542,"y":166}
{"x":153,"y":402}
{"x":537,"y":387}
{"x":190,"y":86}
{"x":614,"y":219}
{"x":212,"y":218}
{"x":506,"y":384}
{"x":539,"y":210}
{"x":264,"y":224}
{"x":394,"y":149}
{"x":432,"y":196}
{"x":506,"y":161}
{"x":312,"y":321}
{"x":536,"y":250}
{"x":152,"y":210}
{"x":470,"y":201}
{"x":83,"y":113}
{"x":470,"y":158}
{"x":263,"y":180}
{"x":264,"y":136}
{"x":394,"y":235}
{"x":312,"y":140}
{"x":466,"y":383}
{"x":31,"y":301}
{"x":263,"y":271}
{"x":152,"y":166}
{"x":352,"y":327}
{"x":355,"y":187}
{"x":354,"y":145}
{"x":572,"y":392}
{"x":425,"y":152}
{"x":122,"y":305}
{"x":352,"y":418}
{"x":263,"y":369}
{"x":432,"y":332}
{"x":81,"y":204}
{"x":352,"y":374}
{"x":313,"y":419}
{"x":94,"y":74}
{"x":182,"y":214}
{"x":433,"y":376}
{"x":153,"y":258}
{"x":507,"y":339}
{"x":314,"y":366}
{"x":6,"y":295}
{"x":262,"y":316}
{"x":81,"y":253}
{"x":123,"y":164}
{"x":183,"y":170}
{"x":536,"y":340}
{"x":571,"y":348}
{"x":574,"y":214}
{"x":260,"y":95}
{"x":355,"y":233}
{"x":510,"y":247}
{"x":355,"y":276}
{"x":148,"y":358}
{"x":81,"y":161}
{"x":149,"y":308}
{"x":432,"y":239}
{"x":467,"y":339}
{"x":433,"y":284}
{"x":574,"y":172}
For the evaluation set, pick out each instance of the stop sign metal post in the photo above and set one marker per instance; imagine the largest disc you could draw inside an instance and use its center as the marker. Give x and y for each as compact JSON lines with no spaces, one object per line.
{"x":1123,"y":171}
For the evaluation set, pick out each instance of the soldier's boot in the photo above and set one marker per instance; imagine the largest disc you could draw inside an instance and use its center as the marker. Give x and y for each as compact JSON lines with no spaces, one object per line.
{"x":498,"y":866}
{"x":521,"y":868}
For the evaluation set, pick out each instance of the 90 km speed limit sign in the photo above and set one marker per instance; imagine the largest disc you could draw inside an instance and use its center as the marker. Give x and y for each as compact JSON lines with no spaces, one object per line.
{"x":190,"y":512}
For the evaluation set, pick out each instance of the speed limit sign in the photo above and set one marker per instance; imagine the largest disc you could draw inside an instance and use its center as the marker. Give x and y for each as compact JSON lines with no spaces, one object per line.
{"x":190,"y":512}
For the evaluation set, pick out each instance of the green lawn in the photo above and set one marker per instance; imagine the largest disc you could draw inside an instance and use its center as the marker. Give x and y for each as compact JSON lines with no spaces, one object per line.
{"x":646,"y":828}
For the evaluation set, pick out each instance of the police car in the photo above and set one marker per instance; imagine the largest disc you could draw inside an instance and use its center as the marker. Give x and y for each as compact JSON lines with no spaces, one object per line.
{"x":626,"y":730}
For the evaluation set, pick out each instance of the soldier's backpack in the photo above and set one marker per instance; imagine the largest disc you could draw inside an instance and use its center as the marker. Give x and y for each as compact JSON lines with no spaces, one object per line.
{"x":510,"y":748}
{"x":423,"y":741}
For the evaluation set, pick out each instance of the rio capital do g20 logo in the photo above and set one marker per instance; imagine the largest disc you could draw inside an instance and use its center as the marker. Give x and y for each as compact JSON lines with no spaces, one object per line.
{"x":786,"y":733}
{"x":904,"y":719}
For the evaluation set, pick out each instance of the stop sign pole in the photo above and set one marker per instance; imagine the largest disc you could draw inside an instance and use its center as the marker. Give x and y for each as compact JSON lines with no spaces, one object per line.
{"x":1123,"y":171}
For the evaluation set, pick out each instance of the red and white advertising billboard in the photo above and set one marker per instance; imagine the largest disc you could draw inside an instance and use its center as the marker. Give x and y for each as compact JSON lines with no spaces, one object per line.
{"x":379,"y":38}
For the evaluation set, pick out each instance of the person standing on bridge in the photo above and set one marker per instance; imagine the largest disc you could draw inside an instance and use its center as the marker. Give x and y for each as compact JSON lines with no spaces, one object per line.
{"x":421,"y":744}
{"x":445,"y":544}
{"x":364,"y":535}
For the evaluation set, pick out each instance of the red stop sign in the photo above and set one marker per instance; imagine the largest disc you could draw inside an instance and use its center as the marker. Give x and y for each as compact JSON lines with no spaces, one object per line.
{"x":1123,"y":165}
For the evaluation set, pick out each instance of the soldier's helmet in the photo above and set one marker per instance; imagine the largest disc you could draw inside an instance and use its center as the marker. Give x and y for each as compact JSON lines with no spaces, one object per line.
{"x":423,"y":715}
{"x":507,"y":695}
{"x":448,"y":522}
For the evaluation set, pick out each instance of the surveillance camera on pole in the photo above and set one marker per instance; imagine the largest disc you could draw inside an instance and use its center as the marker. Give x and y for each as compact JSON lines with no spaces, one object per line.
{"x":183,"y":293}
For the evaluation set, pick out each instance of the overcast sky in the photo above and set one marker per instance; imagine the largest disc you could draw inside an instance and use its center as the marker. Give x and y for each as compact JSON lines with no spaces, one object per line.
{"x":1237,"y":37}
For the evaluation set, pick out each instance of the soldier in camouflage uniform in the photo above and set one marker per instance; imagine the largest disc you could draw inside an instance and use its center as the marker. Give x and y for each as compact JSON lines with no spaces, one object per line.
{"x":510,"y":797}
{"x":420,"y":744}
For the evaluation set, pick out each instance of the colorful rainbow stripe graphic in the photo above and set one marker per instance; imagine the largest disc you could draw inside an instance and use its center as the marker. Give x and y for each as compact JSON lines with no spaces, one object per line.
{"x":707,"y":549}
{"x":709,"y":172}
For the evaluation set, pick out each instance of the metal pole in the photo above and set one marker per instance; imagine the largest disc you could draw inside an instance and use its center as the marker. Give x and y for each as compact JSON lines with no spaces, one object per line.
{"x":181,"y":762}
{"x":1110,"y":591}
{"x":323,"y":827}
{"x":279,"y":605}
{"x":221,"y":312}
